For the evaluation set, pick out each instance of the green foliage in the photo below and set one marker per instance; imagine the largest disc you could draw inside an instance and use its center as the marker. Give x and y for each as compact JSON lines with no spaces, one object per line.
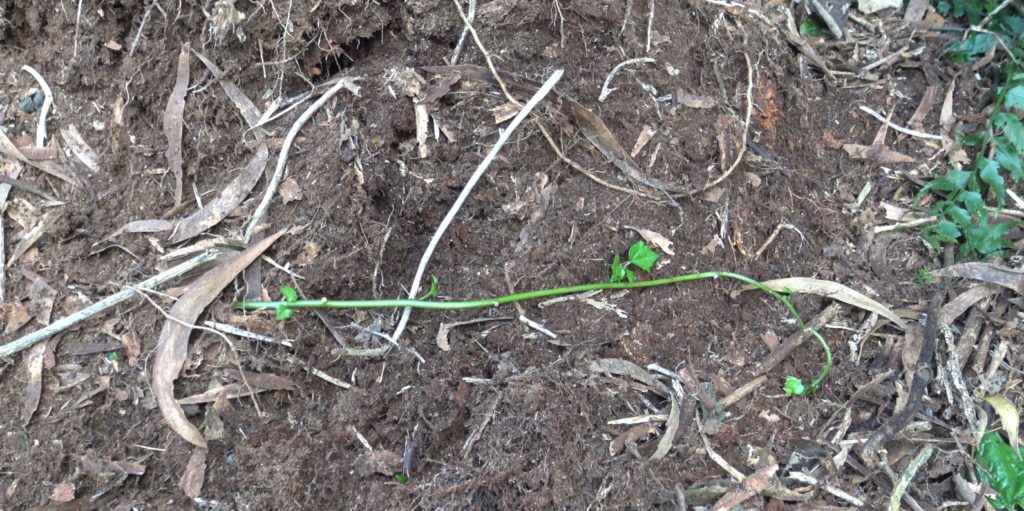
{"x":962,"y":195}
{"x":999,"y":467}
{"x":924,"y":276}
{"x":289,"y":295}
{"x":401,"y":478}
{"x":433,"y":289}
{"x":795,"y":386}
{"x":639,"y":255}
{"x":811,"y":28}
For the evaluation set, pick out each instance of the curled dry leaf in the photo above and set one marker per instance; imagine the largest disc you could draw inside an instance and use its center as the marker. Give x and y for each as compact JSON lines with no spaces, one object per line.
{"x":229,"y":199}
{"x":55,"y":168}
{"x":832,"y":290}
{"x":656,"y":239}
{"x":289,"y":191}
{"x":173,"y":123}
{"x":671,"y":426}
{"x":32,"y":236}
{"x":172,"y":347}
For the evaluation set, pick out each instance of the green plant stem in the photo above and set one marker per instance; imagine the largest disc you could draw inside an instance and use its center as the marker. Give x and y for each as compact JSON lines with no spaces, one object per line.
{"x":547,"y":293}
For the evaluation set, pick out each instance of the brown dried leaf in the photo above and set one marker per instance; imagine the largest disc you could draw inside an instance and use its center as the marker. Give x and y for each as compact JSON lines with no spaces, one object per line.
{"x":946,"y":118}
{"x":191,"y":482}
{"x":504,"y":112}
{"x":646,"y":133}
{"x":729,"y":143}
{"x":310,"y":251}
{"x":63,"y":492}
{"x":964,"y":301}
{"x":986,"y":272}
{"x":230,"y":198}
{"x":671,"y":426}
{"x":693,"y":100}
{"x":754,"y":484}
{"x":173,"y":125}
{"x":655,"y":239}
{"x":34,"y":385}
{"x":830,"y":141}
{"x":80,"y":148}
{"x":829,"y":289}
{"x":289,"y":190}
{"x":15,"y":316}
{"x":771,"y":340}
{"x":55,"y":168}
{"x":630,"y":437}
{"x":33,"y":235}
{"x":925,"y":106}
{"x":93,"y":464}
{"x":880,"y":154}
{"x":41,"y":297}
{"x":245,"y":105}
{"x":443,"y":87}
{"x":132,"y":347}
{"x":172,"y":347}
{"x":139,"y":226}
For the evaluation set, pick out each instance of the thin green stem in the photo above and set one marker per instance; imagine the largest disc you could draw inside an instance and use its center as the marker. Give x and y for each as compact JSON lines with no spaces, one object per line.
{"x":547,"y":293}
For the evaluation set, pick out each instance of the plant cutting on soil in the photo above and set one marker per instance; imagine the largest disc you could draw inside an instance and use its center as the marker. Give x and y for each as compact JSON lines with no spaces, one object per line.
{"x":639,"y":255}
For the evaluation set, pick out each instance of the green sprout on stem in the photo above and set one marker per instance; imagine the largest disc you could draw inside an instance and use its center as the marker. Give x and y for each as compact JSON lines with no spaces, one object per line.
{"x":640,"y":255}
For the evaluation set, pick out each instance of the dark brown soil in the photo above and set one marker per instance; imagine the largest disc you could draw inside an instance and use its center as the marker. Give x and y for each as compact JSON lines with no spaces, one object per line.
{"x":535,"y":434}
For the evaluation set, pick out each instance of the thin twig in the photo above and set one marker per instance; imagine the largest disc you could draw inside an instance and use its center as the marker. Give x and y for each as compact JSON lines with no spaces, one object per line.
{"x":746,"y":131}
{"x":487,"y":56}
{"x":68,"y":321}
{"x":897,"y":127}
{"x":465,"y":30}
{"x":47,"y":103}
{"x":650,"y":23}
{"x":78,"y":22}
{"x":606,"y":88}
{"x":279,"y":172}
{"x":908,"y":476}
{"x":138,"y":35}
{"x":579,"y":168}
{"x":470,"y":184}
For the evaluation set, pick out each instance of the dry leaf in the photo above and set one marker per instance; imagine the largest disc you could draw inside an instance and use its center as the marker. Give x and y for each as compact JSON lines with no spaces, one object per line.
{"x":630,"y":437}
{"x":671,"y":426}
{"x":964,"y":301}
{"x":41,"y":297}
{"x":33,"y":235}
{"x":830,"y":141}
{"x":139,"y":226}
{"x":53,"y":167}
{"x":656,"y":239}
{"x":770,"y":340}
{"x":985,"y":272}
{"x":15,"y":316}
{"x":1009,"y":415}
{"x":693,"y":100}
{"x":173,"y":124}
{"x":245,"y":106}
{"x":754,"y":484}
{"x":34,"y":382}
{"x":829,"y":289}
{"x":289,"y":191}
{"x":63,"y":492}
{"x":132,"y":347}
{"x":172,"y":348}
{"x":80,"y":148}
{"x":230,"y":198}
{"x":191,"y":482}
{"x":646,"y":133}
{"x":443,"y":87}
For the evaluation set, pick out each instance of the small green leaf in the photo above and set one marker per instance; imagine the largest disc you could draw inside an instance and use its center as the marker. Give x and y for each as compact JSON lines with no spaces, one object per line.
{"x":810,"y":28}
{"x":794,"y":386}
{"x":401,"y":478}
{"x":433,"y":289}
{"x":1012,"y":128}
{"x":630,"y":275}
{"x":617,"y":270}
{"x":1015,"y":97}
{"x":113,"y":356}
{"x":946,"y":230}
{"x":1009,"y":158}
{"x":1001,"y":469}
{"x":973,"y":201}
{"x":642,"y":256}
{"x":283,"y":313}
{"x":990,"y":175}
{"x":289,"y":294}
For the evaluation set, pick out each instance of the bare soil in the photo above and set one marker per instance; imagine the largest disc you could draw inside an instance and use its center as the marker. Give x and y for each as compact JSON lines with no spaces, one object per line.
{"x":529,"y":428}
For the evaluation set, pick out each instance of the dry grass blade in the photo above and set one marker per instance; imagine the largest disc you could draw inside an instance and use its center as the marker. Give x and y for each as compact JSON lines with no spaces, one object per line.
{"x":173,"y":122}
{"x":229,"y":199}
{"x":985,"y":272}
{"x":671,"y":427}
{"x":173,"y":345}
{"x":832,"y":290}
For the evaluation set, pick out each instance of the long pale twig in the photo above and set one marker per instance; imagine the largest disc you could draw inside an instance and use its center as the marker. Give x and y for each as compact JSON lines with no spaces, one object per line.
{"x":487,"y":56}
{"x":470,"y":184}
{"x":897,"y":127}
{"x":47,"y":103}
{"x":279,"y":172}
{"x":68,"y":321}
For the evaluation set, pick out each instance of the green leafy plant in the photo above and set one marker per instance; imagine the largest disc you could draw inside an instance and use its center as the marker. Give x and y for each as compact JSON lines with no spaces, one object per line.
{"x":924,"y":277}
{"x":1002,"y":469}
{"x":639,"y":255}
{"x":961,"y":209}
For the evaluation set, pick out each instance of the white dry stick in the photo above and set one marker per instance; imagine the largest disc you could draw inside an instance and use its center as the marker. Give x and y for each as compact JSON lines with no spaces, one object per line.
{"x":607,"y":89}
{"x":47,"y":103}
{"x":650,"y":23}
{"x":471,"y":15}
{"x":68,"y":321}
{"x":897,"y":127}
{"x":414,"y":289}
{"x":279,"y":172}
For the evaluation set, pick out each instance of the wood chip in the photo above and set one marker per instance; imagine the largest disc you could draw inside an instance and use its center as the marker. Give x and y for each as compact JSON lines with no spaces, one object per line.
{"x":191,"y":482}
{"x":63,"y":492}
{"x":646,"y":133}
{"x":34,"y":382}
{"x":693,"y":100}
